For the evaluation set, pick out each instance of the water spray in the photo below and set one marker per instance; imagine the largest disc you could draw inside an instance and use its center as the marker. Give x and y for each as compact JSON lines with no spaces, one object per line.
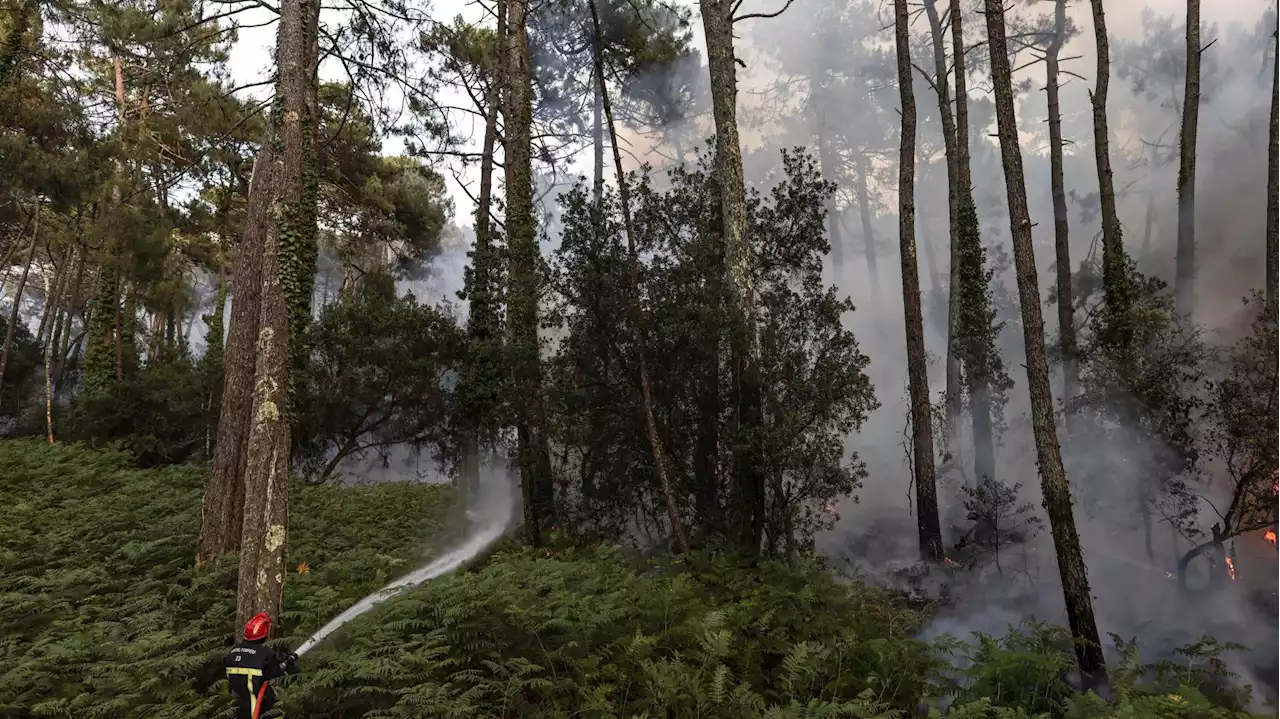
{"x":489,"y":533}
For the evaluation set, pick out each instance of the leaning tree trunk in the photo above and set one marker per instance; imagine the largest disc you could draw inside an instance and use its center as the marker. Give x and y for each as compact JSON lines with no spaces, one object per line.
{"x":1185,"y":274}
{"x":222,"y":512}
{"x":1054,"y":485}
{"x":1061,"y":238}
{"x":17,"y":298}
{"x":639,"y":318}
{"x":284,"y":255}
{"x":717,"y":25}
{"x":1114,"y":272}
{"x":930,"y":529}
{"x":1273,"y":194}
{"x":522,"y":293}
{"x":942,"y":89}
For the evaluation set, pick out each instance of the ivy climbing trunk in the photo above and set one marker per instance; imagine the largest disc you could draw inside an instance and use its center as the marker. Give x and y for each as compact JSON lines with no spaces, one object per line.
{"x":1114,"y":272}
{"x":524,"y":277}
{"x":942,"y":90}
{"x":1054,"y":485}
{"x":222,"y":512}
{"x":717,"y":25}
{"x":639,"y":316}
{"x":480,"y":390}
{"x":930,"y":529}
{"x":1273,"y":193}
{"x":1061,"y":235}
{"x":985,"y":376}
{"x":14,"y":316}
{"x":287,"y":255}
{"x":1185,"y":272}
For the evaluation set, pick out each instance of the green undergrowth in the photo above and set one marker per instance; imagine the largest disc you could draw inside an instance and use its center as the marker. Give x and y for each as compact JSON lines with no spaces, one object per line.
{"x":102,"y":615}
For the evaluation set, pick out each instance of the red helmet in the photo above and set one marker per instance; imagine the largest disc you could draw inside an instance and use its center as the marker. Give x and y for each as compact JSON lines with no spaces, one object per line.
{"x":258,"y":627}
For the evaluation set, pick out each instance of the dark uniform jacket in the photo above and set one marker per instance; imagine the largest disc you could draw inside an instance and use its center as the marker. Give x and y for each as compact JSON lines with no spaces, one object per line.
{"x":251,"y":665}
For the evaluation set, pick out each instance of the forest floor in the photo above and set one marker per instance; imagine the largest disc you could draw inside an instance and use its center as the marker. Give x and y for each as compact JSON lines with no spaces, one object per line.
{"x":103,"y":615}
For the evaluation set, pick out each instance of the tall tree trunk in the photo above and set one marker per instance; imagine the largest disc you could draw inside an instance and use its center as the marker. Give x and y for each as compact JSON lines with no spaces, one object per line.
{"x":14,"y":316}
{"x":717,"y":24}
{"x":597,"y":122}
{"x":222,"y":512}
{"x":1185,"y":277}
{"x":942,"y":89}
{"x":1054,"y":485}
{"x":975,"y":279}
{"x":639,"y":317}
{"x":864,"y":213}
{"x":930,"y":529}
{"x":1273,"y":192}
{"x":482,"y":316}
{"x":63,"y":345}
{"x":524,"y":281}
{"x":54,"y":298}
{"x":62,"y":327}
{"x":1113,"y":257}
{"x":1061,"y":243}
{"x":52,"y":279}
{"x":284,"y":264}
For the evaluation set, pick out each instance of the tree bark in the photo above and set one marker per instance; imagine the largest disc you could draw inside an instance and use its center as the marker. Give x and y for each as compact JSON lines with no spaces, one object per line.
{"x":1113,"y":258}
{"x":63,"y":345}
{"x":1273,"y":194}
{"x":717,"y":24}
{"x":639,"y":317}
{"x":1054,"y":485}
{"x":62,"y":328}
{"x":524,"y":282}
{"x":942,"y":89}
{"x":266,"y":477}
{"x":17,"y":297}
{"x":222,"y":512}
{"x":597,"y":121}
{"x":1185,"y":276}
{"x":1061,"y":235}
{"x":930,"y":529}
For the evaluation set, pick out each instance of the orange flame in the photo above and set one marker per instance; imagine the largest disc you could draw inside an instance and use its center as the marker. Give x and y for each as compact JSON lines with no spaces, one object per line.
{"x":947,"y":561}
{"x":1231,"y":569}
{"x":1270,"y":536}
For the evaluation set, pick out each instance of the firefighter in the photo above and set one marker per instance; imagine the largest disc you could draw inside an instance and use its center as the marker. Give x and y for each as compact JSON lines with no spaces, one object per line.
{"x":251,"y":665}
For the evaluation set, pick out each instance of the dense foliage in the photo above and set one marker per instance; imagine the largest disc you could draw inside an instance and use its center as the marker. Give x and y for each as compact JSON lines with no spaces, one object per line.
{"x":102,"y":616}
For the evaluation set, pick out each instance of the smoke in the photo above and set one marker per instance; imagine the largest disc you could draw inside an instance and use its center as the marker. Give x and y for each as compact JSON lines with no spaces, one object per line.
{"x":1135,"y":595}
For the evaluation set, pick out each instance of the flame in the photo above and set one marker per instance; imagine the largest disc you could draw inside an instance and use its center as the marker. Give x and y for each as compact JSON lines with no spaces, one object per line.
{"x":1270,"y":536}
{"x":1231,"y":569}
{"x":947,"y":561}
